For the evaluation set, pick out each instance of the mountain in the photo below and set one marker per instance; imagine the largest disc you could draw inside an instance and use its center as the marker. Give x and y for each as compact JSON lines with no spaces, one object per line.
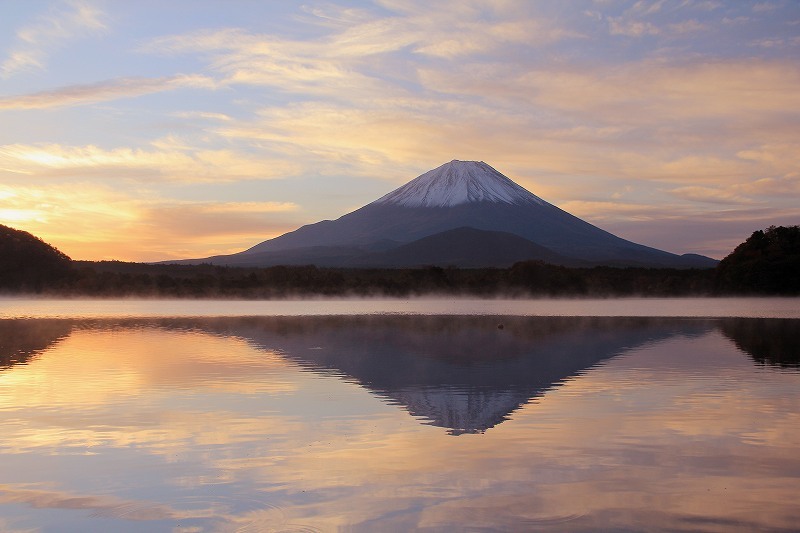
{"x":458,"y":194}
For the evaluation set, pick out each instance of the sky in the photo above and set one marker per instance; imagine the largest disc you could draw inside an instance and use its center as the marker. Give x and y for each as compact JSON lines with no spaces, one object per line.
{"x":147,"y":130}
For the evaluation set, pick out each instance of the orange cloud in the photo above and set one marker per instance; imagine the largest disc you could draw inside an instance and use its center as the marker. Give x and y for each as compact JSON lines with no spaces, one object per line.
{"x":711,"y":195}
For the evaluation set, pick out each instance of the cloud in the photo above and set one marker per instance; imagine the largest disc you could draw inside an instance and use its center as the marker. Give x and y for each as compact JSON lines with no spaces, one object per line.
{"x":650,"y":105}
{"x":169,"y":160}
{"x":66,"y":22}
{"x":629,"y":28}
{"x":784,"y":186}
{"x":202,"y":115}
{"x":295,"y":67}
{"x":687,"y":26}
{"x":662,"y":19}
{"x":649,"y":119}
{"x":784,"y":156}
{"x":103,"y":91}
{"x":641,"y":92}
{"x":338,"y":60}
{"x":765,"y":7}
{"x":707,"y":5}
{"x":392,"y":138}
{"x":714,"y":195}
{"x":601,"y":210}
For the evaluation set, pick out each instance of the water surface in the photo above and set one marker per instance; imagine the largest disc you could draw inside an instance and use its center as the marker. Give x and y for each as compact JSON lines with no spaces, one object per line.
{"x":664,"y":307}
{"x":397,"y":423}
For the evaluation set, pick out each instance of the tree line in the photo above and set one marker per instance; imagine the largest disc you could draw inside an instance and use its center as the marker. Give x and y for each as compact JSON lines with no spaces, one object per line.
{"x":767,"y":263}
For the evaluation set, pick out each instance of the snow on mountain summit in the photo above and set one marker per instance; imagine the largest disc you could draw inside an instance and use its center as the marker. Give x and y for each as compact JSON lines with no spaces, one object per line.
{"x":459,"y":182}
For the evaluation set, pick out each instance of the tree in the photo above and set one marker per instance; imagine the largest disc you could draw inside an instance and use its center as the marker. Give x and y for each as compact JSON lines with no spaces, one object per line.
{"x":768,"y":262}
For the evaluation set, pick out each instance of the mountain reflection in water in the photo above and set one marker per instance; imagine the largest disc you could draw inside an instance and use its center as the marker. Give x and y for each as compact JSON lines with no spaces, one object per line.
{"x":465,"y":374}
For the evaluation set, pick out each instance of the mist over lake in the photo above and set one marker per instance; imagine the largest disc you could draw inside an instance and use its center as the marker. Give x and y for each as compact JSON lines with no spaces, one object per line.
{"x":436,"y":417}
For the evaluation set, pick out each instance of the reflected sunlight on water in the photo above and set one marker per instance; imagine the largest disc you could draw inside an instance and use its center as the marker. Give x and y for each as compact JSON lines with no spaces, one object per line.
{"x":393,"y":423}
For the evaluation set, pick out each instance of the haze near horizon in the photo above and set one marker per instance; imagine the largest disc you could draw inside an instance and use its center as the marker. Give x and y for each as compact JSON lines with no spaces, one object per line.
{"x":141,"y":131}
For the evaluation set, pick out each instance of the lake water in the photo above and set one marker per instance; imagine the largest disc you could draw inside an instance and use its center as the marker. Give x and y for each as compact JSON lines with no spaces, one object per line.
{"x":679,"y":415}
{"x":652,"y":307}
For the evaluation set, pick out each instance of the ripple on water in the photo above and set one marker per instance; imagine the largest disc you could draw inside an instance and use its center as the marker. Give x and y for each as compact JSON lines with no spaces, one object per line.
{"x":551,"y":520}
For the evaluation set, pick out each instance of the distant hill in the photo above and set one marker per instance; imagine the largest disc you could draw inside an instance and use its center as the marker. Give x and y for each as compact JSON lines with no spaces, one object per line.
{"x":27,"y":262}
{"x":466,"y":248}
{"x":768,"y":262}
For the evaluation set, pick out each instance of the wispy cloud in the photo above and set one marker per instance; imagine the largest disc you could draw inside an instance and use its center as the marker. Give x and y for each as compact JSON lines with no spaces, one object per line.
{"x":104,"y":91}
{"x":168,"y":159}
{"x":765,"y":7}
{"x":649,"y":121}
{"x":714,"y":195}
{"x":631,"y":28}
{"x":426,"y":107}
{"x":642,"y":92}
{"x":65,"y":22}
{"x":339,"y":58}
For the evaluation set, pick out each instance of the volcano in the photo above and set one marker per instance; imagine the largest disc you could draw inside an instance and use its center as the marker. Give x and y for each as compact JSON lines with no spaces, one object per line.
{"x":463,"y":213}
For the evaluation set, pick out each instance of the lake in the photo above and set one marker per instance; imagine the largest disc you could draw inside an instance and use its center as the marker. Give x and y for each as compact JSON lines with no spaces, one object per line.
{"x":380,"y":415}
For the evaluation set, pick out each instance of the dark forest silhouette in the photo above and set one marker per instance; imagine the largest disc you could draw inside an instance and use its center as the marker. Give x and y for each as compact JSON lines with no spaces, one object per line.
{"x":767,"y":263}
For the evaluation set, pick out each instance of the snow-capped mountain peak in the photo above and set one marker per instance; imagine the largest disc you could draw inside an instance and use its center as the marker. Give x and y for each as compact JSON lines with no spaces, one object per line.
{"x":459,"y":182}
